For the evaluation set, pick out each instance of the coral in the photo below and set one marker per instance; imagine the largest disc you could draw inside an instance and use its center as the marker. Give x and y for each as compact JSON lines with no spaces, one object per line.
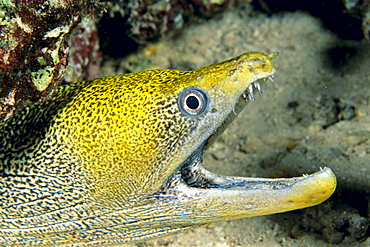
{"x":149,"y":20}
{"x":33,"y":47}
{"x":360,"y":10}
{"x":84,"y":56}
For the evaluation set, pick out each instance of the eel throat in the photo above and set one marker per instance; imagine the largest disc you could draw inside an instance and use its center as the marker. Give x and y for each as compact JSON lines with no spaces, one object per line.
{"x":118,"y":159}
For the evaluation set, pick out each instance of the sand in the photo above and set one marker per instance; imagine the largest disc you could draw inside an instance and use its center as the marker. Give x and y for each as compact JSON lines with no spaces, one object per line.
{"x":315,"y":114}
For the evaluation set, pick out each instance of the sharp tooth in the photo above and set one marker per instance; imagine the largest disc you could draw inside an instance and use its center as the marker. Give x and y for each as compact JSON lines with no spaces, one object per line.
{"x":257,"y":85}
{"x":244,"y":95}
{"x":234,"y":111}
{"x":250,"y":89}
{"x":271,"y":78}
{"x":250,"y":92}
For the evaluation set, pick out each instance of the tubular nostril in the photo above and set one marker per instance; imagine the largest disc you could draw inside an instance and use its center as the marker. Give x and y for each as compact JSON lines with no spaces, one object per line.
{"x":272,"y":55}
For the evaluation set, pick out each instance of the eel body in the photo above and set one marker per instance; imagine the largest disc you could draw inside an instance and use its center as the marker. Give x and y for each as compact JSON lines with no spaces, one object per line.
{"x":118,"y":159}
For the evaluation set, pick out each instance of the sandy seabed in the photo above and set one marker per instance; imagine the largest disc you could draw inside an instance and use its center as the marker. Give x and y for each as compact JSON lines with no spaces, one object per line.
{"x":315,"y":114}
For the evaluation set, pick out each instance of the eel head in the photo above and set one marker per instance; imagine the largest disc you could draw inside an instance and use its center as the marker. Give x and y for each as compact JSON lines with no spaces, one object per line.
{"x":119,"y":159}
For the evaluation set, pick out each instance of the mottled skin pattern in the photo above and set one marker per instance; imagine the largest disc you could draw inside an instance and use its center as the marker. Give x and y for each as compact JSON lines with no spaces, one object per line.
{"x":92,"y":165}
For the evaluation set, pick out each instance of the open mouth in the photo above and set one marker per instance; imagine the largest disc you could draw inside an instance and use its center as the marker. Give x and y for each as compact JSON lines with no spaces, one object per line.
{"x":192,"y":171}
{"x":191,"y":174}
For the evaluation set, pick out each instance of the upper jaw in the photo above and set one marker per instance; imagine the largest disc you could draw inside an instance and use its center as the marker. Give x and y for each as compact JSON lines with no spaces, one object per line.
{"x":242,"y":101}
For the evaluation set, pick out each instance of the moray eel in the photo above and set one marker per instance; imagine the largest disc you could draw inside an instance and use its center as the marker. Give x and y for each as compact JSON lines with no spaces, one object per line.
{"x":118,"y":159}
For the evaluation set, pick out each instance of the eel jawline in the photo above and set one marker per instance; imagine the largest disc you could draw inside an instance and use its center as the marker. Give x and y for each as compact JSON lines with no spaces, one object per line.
{"x":229,"y":197}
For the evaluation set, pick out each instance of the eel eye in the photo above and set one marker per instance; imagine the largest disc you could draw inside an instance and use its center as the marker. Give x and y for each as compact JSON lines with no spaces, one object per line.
{"x":192,"y":101}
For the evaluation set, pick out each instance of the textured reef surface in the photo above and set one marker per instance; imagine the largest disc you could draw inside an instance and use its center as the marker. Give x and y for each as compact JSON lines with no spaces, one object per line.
{"x":43,"y":42}
{"x":34,"y":47}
